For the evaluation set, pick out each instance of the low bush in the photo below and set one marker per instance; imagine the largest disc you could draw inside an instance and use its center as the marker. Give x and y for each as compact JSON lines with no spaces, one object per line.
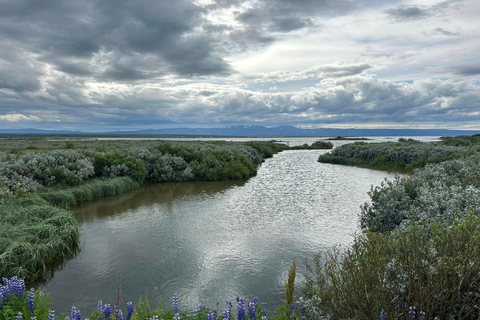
{"x":430,"y":267}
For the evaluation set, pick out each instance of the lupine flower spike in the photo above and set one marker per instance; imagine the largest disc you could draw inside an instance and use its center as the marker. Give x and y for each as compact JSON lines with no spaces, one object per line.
{"x":226,"y":314}
{"x":175,"y":303}
{"x":383,"y":315}
{"x":100,"y":306}
{"x":107,"y":311}
{"x":19,"y":315}
{"x":30,"y":301}
{"x":129,"y":310}
{"x":51,"y":316}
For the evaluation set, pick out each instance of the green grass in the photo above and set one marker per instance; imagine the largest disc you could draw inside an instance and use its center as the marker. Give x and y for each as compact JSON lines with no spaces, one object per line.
{"x":89,"y":190}
{"x":33,"y":235}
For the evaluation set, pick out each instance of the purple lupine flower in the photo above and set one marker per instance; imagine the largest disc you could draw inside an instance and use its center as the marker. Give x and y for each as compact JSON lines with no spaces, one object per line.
{"x":75,"y":314}
{"x":226,"y":314}
{"x":119,"y":315}
{"x":412,"y":312}
{"x":67,"y":318}
{"x":202,"y":307}
{"x":19,"y":315}
{"x":51,"y":316}
{"x":175,"y":303}
{"x":302,"y":311}
{"x":264,"y":318}
{"x":255,"y":300}
{"x":230,"y":304}
{"x":100,"y":306}
{"x":292,"y":307}
{"x":383,"y":315}
{"x":241,"y":308}
{"x":421,"y":315}
{"x":210,"y":316}
{"x":17,"y":286}
{"x":176,"y":317}
{"x":1,"y":297}
{"x":107,"y":311}
{"x":129,"y":310}
{"x":33,"y":318}
{"x":251,"y":311}
{"x":6,"y":289}
{"x":30,"y":300}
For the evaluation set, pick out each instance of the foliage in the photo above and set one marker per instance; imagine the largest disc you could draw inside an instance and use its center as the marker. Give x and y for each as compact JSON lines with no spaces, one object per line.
{"x":440,"y":192}
{"x":290,"y":288}
{"x":33,"y":235}
{"x":320,"y":144}
{"x":404,"y":156}
{"x":432,"y":267}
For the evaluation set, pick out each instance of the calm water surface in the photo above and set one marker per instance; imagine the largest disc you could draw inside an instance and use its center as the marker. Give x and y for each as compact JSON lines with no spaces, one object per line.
{"x":210,"y":242}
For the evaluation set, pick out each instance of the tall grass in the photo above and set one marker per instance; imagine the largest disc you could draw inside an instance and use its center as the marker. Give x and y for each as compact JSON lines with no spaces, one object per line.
{"x":89,"y":190}
{"x":33,"y":235}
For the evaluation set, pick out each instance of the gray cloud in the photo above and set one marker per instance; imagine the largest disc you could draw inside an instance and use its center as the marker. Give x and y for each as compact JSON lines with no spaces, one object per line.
{"x":405,"y":13}
{"x":441,"y":31}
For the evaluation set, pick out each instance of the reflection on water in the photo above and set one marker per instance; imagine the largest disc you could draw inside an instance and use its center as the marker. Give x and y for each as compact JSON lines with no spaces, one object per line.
{"x":210,"y":242}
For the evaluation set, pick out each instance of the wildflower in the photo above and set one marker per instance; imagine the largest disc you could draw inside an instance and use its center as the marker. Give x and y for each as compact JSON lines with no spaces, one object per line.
{"x":1,"y":297}
{"x":176,"y":317}
{"x":383,"y":315}
{"x":119,"y":315}
{"x":202,"y":307}
{"x":422,"y":315}
{"x":251,"y":310}
{"x":412,"y":312}
{"x":292,"y":307}
{"x":241,"y":308}
{"x":30,"y":301}
{"x":226,"y":314}
{"x":75,"y":314}
{"x":302,"y":311}
{"x":20,"y":315}
{"x":107,"y":311}
{"x":33,"y":318}
{"x":175,"y":303}
{"x":230,"y":304}
{"x":255,"y":300}
{"x":129,"y":310}
{"x":51,"y":316}
{"x":210,"y":316}
{"x":264,"y":318}
{"x":100,"y":306}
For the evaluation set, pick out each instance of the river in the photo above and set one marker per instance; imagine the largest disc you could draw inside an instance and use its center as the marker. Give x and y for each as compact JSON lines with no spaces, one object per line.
{"x":212,"y":241}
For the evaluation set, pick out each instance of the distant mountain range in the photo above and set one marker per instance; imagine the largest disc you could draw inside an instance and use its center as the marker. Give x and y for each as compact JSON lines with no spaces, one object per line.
{"x":249,"y":131}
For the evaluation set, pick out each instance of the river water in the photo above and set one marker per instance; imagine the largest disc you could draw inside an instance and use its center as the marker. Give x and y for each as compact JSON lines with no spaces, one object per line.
{"x":212,"y":241}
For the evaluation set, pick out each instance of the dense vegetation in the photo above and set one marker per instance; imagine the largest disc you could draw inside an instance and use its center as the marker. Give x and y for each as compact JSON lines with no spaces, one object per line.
{"x":418,"y":256}
{"x":39,"y":177}
{"x":403,"y":156}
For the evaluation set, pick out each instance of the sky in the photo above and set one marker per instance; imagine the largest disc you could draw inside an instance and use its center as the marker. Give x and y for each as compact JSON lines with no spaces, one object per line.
{"x":107,"y":65}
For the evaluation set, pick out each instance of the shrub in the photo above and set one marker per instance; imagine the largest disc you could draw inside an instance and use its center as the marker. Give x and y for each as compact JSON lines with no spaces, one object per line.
{"x":432,"y":267}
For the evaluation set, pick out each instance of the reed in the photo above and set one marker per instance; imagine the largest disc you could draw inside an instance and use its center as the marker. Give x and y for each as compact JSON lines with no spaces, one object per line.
{"x":89,"y":190}
{"x":33,"y":235}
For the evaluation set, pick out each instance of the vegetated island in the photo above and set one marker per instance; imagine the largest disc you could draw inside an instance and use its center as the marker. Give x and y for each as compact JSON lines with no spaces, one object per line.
{"x":348,"y":138}
{"x":418,"y":256}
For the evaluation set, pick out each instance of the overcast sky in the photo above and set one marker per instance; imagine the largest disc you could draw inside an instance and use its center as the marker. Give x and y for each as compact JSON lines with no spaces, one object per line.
{"x":99,"y":65}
